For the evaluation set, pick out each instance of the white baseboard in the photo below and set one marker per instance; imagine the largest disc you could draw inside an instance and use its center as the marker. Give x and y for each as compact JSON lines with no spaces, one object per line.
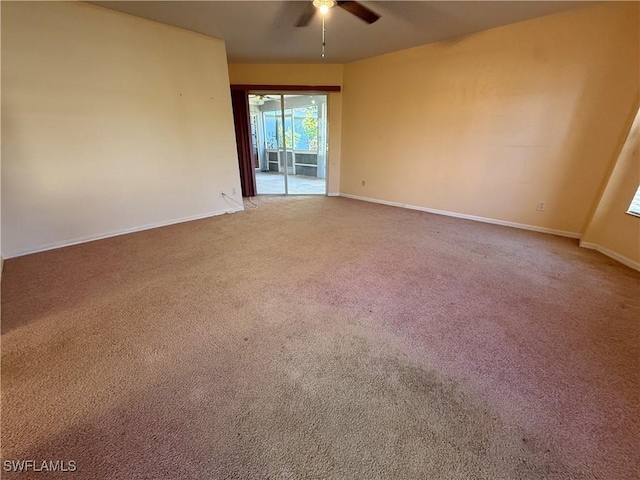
{"x":333,"y":194}
{"x":611,"y":254}
{"x":505,"y":223}
{"x":77,"y":241}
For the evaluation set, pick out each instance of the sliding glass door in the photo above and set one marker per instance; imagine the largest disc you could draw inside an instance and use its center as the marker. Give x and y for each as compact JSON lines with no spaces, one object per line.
{"x":291,"y":142}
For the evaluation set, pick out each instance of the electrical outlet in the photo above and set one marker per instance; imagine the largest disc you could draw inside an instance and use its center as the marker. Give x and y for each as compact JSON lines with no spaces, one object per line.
{"x":541,"y":206}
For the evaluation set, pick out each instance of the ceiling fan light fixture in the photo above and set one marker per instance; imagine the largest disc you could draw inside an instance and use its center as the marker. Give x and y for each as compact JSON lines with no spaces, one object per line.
{"x":256,"y":99}
{"x":323,"y":5}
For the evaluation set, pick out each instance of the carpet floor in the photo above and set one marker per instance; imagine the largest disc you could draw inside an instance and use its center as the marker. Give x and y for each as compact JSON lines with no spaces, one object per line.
{"x":323,"y":338}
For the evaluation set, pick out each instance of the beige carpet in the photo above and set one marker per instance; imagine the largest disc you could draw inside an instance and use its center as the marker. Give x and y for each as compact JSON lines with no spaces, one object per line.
{"x":323,"y":338}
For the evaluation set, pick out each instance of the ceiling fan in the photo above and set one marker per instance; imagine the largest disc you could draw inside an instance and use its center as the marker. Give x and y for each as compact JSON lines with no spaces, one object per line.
{"x":353,"y":7}
{"x":260,"y":99}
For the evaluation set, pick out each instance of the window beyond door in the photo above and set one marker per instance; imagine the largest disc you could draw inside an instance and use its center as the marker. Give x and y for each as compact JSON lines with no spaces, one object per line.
{"x":634,"y":208}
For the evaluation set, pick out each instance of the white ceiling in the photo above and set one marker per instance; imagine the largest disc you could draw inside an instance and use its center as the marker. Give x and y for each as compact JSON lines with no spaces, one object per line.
{"x":265,"y":32}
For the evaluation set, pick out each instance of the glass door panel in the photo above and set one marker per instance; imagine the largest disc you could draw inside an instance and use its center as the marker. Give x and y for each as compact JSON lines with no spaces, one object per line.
{"x":307,"y":140}
{"x":270,"y":179}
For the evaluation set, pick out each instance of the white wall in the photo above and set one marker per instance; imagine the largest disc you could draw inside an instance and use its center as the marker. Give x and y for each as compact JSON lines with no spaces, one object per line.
{"x":110,"y":123}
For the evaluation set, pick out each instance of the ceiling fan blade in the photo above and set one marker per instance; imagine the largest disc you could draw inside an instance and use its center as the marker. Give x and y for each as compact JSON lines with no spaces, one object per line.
{"x":359,"y":10}
{"x":307,"y":15}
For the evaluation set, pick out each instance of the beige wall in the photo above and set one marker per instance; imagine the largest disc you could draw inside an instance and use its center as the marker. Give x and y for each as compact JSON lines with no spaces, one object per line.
{"x":110,"y":123}
{"x":301,"y":74}
{"x":492,"y":123}
{"x":286,"y":74}
{"x":611,"y":229}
